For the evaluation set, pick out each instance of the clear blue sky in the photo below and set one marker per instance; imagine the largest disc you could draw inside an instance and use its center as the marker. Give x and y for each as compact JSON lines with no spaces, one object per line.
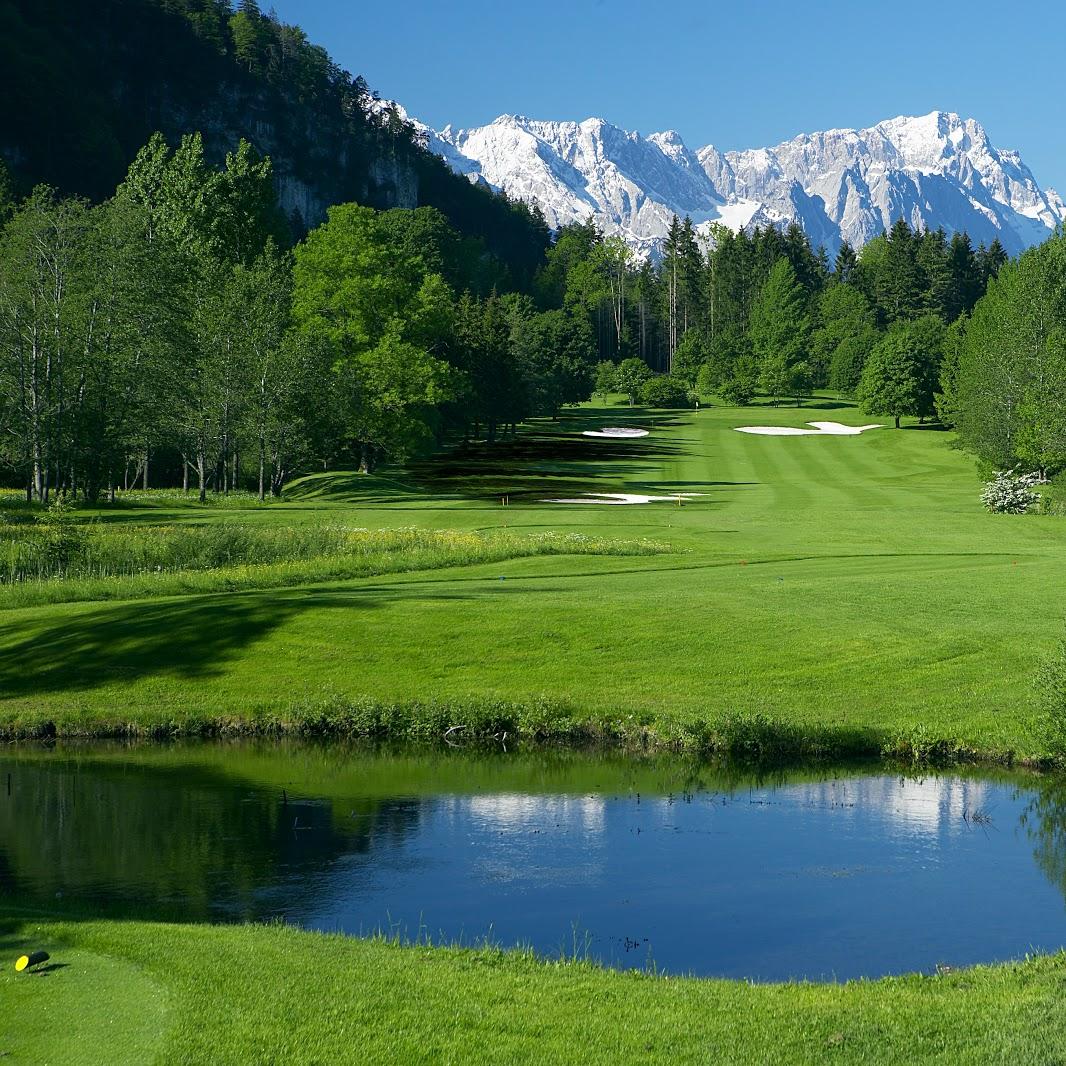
{"x":738,"y":74}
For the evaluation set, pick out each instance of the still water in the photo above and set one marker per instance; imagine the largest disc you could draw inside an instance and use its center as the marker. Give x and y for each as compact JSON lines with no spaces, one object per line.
{"x":685,"y":867}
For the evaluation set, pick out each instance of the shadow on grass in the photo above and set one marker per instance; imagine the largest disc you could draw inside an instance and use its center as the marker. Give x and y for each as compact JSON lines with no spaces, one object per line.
{"x":189,"y":640}
{"x":543,"y":465}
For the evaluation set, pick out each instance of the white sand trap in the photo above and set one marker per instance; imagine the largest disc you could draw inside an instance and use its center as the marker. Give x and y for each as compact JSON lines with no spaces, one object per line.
{"x":821,"y":429}
{"x":614,"y":431}
{"x":621,"y":498}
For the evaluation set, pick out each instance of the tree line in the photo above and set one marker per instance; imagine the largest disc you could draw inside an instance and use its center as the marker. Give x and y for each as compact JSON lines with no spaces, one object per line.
{"x":172,"y":334}
{"x":732,"y":314}
{"x":169,"y":334}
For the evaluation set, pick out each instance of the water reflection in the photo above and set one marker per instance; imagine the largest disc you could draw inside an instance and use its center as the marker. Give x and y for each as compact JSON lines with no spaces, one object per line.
{"x":819,"y":875}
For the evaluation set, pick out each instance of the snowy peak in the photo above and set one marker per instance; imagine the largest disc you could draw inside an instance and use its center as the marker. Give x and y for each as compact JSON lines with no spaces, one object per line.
{"x":934,"y":170}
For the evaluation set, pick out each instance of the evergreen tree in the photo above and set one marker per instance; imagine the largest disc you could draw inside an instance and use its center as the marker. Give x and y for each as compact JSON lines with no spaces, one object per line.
{"x":932,"y":257}
{"x":612,"y":259}
{"x":899,"y":284}
{"x":965,"y":281}
{"x":845,"y":263}
{"x":779,"y":332}
{"x":672,"y":272}
{"x":845,"y":334}
{"x":990,"y":261}
{"x":806,"y":264}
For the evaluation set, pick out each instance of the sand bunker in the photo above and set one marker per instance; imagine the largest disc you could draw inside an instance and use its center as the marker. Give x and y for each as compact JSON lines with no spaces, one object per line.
{"x":617,"y":498}
{"x":821,"y":429}
{"x":614,"y":431}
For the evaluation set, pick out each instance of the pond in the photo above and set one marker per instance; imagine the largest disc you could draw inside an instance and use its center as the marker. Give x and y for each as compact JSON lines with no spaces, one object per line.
{"x":688,"y":868}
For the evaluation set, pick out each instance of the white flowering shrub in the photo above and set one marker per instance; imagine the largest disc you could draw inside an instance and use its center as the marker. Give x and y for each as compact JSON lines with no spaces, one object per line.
{"x":1010,"y":492}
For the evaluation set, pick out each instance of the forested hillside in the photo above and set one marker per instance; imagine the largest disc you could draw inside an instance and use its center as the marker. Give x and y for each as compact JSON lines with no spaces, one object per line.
{"x":84,"y":85}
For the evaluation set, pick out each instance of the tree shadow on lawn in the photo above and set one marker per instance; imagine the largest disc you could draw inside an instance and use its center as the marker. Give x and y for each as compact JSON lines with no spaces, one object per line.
{"x":543,"y":465}
{"x":188,"y":640}
{"x":808,"y":403}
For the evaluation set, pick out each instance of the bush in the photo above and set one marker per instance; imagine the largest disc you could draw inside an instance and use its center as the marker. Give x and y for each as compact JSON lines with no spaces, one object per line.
{"x":707,"y":380}
{"x":737,"y":392}
{"x":664,"y":391}
{"x":60,"y":536}
{"x":1010,"y":492}
{"x":917,"y":746}
{"x":846,"y":365}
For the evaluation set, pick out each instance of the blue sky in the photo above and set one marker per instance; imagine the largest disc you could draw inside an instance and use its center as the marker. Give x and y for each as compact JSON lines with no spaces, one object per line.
{"x":739,"y":74}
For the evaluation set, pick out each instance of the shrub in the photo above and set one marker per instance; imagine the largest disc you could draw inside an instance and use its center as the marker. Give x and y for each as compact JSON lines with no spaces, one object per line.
{"x":664,"y":391}
{"x":1010,"y":492}
{"x":737,"y":391}
{"x":707,"y":380}
{"x":61,"y":536}
{"x":917,"y":746}
{"x":1051,"y":685}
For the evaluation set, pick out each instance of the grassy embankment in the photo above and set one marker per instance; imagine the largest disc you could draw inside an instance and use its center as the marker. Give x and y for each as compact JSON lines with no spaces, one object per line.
{"x":141,"y":993}
{"x":846,"y":584}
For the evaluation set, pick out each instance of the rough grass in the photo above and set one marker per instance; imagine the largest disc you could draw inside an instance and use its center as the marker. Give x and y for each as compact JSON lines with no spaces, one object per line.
{"x":742,"y":737}
{"x":66,"y":563}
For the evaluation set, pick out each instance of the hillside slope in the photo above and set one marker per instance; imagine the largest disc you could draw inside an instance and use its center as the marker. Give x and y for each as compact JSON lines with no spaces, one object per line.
{"x":83,"y":86}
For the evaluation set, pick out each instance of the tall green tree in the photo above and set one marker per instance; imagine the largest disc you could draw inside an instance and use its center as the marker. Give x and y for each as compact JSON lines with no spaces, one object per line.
{"x":631,"y":376}
{"x":780,"y":332}
{"x":845,"y":263}
{"x":1007,"y":386}
{"x":844,"y":334}
{"x":387,"y":321}
{"x":44,"y":309}
{"x":900,"y":375}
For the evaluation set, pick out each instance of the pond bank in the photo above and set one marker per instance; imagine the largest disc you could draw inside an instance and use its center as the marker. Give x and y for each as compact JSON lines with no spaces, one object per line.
{"x":754,"y":737}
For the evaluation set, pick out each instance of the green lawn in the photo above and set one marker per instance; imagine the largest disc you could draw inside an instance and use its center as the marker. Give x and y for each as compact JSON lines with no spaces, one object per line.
{"x":135,"y":993}
{"x":849,"y":581}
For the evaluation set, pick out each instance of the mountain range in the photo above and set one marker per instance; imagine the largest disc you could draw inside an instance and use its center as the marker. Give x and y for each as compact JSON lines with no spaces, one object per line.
{"x":935,"y":170}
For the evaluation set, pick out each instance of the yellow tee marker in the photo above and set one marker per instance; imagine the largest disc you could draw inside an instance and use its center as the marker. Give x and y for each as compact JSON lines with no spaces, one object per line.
{"x":24,"y":962}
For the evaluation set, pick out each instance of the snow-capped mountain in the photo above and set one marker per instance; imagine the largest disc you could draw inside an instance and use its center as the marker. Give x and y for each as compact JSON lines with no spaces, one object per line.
{"x":934,"y":170}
